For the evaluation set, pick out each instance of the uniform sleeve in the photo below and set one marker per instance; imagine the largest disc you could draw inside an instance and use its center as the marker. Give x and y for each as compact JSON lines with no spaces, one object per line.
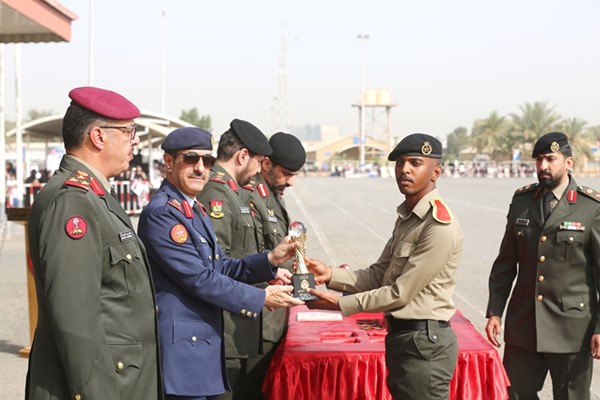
{"x":259,"y":224}
{"x":504,"y":271}
{"x":595,"y":245}
{"x":222,"y":221}
{"x":438,"y":244}
{"x":184,"y":264}
{"x":70,"y":275}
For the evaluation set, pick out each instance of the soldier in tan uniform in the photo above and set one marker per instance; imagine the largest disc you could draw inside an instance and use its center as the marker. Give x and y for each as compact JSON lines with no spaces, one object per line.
{"x":278,"y":172}
{"x":239,"y":156}
{"x":551,"y":252}
{"x":413,"y":280}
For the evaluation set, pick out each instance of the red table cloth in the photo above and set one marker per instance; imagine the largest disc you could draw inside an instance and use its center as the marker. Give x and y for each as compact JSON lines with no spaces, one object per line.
{"x":343,"y":360}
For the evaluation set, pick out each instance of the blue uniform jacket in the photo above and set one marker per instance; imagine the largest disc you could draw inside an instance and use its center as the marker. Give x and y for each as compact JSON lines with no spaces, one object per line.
{"x":194,"y":282}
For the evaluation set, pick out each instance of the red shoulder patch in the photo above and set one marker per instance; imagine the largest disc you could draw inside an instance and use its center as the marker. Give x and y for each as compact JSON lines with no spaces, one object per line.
{"x":189,"y":213}
{"x":76,"y":227}
{"x":262,"y":190}
{"x":441,"y":212}
{"x":79,"y":179}
{"x":232,"y":185}
{"x":179,"y":234}
{"x":97,"y":187}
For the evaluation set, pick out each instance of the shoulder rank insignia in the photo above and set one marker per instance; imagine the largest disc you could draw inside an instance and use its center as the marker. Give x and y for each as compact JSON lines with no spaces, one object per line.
{"x":262,"y":190}
{"x":218,"y":177}
{"x":76,"y":227}
{"x":216,"y":209}
{"x":250,"y":186}
{"x":589,"y":192}
{"x":79,"y":179}
{"x":179,"y":234}
{"x":526,"y":188}
{"x":176,"y":204}
{"x":441,"y":212}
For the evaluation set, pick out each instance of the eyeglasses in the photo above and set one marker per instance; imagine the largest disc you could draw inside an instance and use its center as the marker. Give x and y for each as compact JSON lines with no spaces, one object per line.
{"x":131,"y":129}
{"x":194,"y":159}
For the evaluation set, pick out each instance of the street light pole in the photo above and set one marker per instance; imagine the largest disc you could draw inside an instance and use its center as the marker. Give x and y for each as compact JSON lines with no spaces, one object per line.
{"x":363,"y":38}
{"x":163,"y":103}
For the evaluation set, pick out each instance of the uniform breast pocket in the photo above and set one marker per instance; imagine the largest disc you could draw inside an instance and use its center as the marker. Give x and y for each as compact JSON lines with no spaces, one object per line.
{"x":569,"y":246}
{"x":127,"y":361}
{"x":245,"y":230}
{"x":400,"y":256}
{"x":522,"y":232}
{"x":127,"y":270}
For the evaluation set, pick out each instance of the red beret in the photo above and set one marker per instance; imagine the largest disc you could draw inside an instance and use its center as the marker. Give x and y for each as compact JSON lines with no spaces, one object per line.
{"x":104,"y":102}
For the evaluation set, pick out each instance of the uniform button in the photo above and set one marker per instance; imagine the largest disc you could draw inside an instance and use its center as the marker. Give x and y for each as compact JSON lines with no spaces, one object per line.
{"x":540,"y":297}
{"x":434,"y":337}
{"x":157,"y":309}
{"x":540,"y":278}
{"x":249,"y":313}
{"x":194,"y":339}
{"x":519,"y":233}
{"x":128,"y":256}
{"x":543,"y":238}
{"x":571,"y":238}
{"x":581,"y":304}
{"x":274,"y":230}
{"x":255,"y":315}
{"x":77,"y":397}
{"x":210,"y":258}
{"x":120,"y":365}
{"x":243,"y":311}
{"x":542,"y":258}
{"x":217,"y":257}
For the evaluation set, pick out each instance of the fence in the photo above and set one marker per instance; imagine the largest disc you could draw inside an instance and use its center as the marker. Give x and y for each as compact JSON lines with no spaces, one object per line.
{"x":132,"y":195}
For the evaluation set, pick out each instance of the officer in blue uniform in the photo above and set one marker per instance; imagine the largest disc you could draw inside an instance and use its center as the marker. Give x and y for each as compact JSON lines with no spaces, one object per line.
{"x":194,"y":280}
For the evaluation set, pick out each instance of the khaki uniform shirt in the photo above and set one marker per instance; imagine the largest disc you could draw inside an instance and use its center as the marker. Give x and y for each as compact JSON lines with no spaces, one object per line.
{"x":414,"y":277}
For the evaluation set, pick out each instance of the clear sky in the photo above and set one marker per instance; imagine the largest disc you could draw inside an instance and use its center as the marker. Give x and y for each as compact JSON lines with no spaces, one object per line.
{"x":445,"y":63}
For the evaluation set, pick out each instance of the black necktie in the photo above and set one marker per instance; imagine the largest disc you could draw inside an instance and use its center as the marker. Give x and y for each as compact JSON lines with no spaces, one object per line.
{"x":197,"y":210}
{"x":547,"y":205}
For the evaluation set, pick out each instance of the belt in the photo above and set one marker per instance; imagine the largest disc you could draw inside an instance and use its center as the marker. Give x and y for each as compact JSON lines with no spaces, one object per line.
{"x":395,"y":325}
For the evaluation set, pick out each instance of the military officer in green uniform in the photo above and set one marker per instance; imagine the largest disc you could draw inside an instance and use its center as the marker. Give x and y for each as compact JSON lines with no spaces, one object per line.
{"x":96,"y":335}
{"x":413,"y":280}
{"x":240,"y":153}
{"x":278,"y":172}
{"x":551,"y":253}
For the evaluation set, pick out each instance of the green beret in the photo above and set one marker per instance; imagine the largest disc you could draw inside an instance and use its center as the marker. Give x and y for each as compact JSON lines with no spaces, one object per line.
{"x":417,"y":144}
{"x":551,"y":143}
{"x":287,"y":151}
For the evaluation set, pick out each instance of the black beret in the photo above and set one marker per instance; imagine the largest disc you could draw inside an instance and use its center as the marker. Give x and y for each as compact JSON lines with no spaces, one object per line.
{"x":417,"y":144}
{"x":187,"y":138}
{"x":104,"y":102}
{"x":251,"y":137}
{"x":551,"y":143}
{"x":287,"y":151}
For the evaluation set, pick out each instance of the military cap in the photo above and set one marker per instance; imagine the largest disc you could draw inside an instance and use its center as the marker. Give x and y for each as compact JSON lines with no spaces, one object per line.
{"x":287,"y":151}
{"x":251,"y":137}
{"x":417,"y":144}
{"x":187,"y":138}
{"x":104,"y":102}
{"x":551,"y":143}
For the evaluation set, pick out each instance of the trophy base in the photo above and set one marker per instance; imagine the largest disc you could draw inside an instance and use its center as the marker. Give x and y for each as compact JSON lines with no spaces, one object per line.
{"x":301,"y":283}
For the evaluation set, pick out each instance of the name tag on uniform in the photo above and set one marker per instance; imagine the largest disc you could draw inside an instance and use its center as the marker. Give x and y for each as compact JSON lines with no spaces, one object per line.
{"x":273,"y":219}
{"x":202,"y":240}
{"x":127,"y":235}
{"x":522,"y":221}
{"x":245,"y":210}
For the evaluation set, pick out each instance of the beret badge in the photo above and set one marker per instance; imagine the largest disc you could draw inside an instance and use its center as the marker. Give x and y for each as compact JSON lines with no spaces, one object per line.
{"x":554,"y":147}
{"x":426,"y":149}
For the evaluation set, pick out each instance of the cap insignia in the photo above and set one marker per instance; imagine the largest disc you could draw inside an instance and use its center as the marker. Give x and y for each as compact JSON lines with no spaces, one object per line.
{"x":426,"y":149}
{"x":554,"y":147}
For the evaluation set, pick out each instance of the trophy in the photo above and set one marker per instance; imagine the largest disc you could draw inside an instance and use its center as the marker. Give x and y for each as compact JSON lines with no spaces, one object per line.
{"x":302,"y":279}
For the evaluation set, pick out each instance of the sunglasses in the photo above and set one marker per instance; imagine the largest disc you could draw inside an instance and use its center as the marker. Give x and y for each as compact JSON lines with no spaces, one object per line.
{"x":194,"y":159}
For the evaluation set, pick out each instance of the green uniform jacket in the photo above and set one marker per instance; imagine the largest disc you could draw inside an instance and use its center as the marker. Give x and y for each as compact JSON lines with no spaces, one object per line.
{"x":553,"y":307}
{"x":96,"y":335}
{"x":272,"y":223}
{"x":234,"y":228}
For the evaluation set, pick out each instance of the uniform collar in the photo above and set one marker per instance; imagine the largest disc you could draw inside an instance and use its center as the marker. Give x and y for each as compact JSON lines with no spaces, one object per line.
{"x":560,"y":189}
{"x":421,"y":208}
{"x":101,"y":178}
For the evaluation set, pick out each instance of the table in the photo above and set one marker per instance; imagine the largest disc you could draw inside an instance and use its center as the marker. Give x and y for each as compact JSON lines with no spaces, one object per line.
{"x":343,"y":360}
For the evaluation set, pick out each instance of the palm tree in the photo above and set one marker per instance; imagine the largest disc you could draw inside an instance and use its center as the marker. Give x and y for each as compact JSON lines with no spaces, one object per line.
{"x":581,"y":140}
{"x":489,"y":133}
{"x":535,"y":120}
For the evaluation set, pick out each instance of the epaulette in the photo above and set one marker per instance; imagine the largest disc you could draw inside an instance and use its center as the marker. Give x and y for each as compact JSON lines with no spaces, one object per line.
{"x":176,"y":204}
{"x":441,"y":212}
{"x":526,"y":188}
{"x":589,"y":192}
{"x":218,"y":177}
{"x":250,"y":185}
{"x":84,"y":181}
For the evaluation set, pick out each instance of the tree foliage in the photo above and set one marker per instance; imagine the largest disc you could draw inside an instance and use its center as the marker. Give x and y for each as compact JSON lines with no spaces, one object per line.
{"x":193,"y":117}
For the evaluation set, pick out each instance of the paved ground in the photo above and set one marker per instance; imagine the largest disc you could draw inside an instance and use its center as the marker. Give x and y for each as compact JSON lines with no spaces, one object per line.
{"x":348,"y":220}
